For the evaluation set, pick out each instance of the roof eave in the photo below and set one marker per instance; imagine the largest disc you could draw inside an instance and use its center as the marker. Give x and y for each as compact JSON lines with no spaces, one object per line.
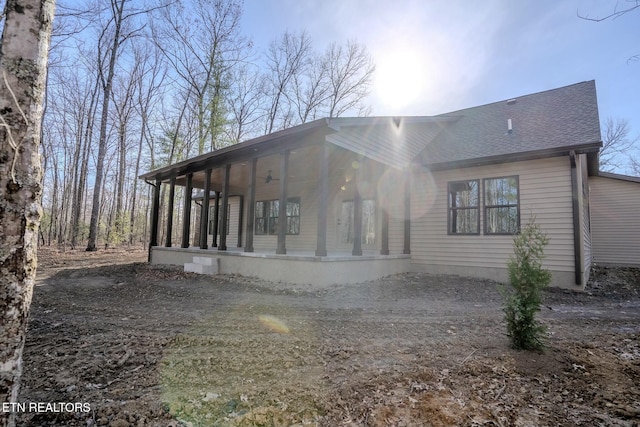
{"x":589,"y":148}
{"x":620,"y":177}
{"x":241,"y":150}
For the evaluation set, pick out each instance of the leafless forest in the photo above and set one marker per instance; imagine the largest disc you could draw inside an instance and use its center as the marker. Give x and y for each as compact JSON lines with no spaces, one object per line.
{"x":139,"y":84}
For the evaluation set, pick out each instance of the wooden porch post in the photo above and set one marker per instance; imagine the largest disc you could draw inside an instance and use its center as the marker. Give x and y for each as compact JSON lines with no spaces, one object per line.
{"x":323,"y":200}
{"x":357,"y":212}
{"x":187,"y":211}
{"x":282,"y":212}
{"x":241,"y":211}
{"x":407,"y":214}
{"x":204,"y":216}
{"x":251,"y":206}
{"x":216,"y":219}
{"x":225,"y":202}
{"x":172,"y":195}
{"x":155,"y":208}
{"x":384,"y":249}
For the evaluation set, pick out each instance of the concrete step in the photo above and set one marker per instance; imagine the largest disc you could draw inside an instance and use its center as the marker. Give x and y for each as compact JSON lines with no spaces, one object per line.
{"x":204,"y":260}
{"x":202,"y":265}
{"x":191,"y":267}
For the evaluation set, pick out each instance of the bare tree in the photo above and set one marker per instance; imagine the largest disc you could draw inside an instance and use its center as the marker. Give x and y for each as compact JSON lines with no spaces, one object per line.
{"x":203,"y":43}
{"x":106,"y":78}
{"x":616,"y":13}
{"x":118,"y":29}
{"x":630,"y":6}
{"x":287,"y":58}
{"x":311,"y":90}
{"x":23,"y":61}
{"x":150,"y":80}
{"x":616,"y":144}
{"x":243,"y":104}
{"x":350,"y":70}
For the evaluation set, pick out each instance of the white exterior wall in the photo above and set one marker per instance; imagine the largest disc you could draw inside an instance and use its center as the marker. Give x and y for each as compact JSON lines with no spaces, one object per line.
{"x":615,"y":221}
{"x":545,"y":192}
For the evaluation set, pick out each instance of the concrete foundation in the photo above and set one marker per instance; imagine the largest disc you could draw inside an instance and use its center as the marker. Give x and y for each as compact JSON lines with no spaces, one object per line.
{"x":291,"y":268}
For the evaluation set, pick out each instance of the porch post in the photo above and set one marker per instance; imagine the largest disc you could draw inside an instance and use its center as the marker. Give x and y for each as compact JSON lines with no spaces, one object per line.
{"x":384,"y":250}
{"x":282,"y":212}
{"x":155,"y":207}
{"x":225,"y":202}
{"x":172,"y":195}
{"x":216,"y":218}
{"x":240,"y":212}
{"x":407,"y":214}
{"x":187,"y":211}
{"x":357,"y":212}
{"x":251,"y":206}
{"x":323,"y":200}
{"x":204,"y":215}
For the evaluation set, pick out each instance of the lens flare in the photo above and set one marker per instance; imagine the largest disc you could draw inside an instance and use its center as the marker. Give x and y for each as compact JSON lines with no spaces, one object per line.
{"x":273,"y":324}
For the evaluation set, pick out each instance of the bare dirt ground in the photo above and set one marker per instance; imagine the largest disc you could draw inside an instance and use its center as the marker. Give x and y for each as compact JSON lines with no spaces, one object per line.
{"x":149,"y":346}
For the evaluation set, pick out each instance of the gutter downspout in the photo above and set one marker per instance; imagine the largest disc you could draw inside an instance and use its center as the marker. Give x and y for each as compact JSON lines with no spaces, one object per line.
{"x":577,"y":247}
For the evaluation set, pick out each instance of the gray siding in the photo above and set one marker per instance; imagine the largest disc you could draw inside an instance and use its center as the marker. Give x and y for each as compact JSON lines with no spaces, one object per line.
{"x":615,"y":221}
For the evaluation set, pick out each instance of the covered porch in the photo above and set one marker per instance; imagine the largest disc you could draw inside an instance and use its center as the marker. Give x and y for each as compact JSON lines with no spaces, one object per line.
{"x":346,"y":216}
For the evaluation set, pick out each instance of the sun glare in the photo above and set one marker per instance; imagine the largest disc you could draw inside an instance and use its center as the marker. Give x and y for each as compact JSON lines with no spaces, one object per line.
{"x":399,"y":78}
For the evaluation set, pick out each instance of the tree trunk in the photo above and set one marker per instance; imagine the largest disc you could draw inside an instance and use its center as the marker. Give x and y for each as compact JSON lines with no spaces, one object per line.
{"x":132,"y":217}
{"x":79,"y":198}
{"x":23,"y":60}
{"x":118,"y":8}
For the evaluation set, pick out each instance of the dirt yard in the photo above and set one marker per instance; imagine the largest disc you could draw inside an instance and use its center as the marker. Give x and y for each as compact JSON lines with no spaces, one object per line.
{"x":145,"y":346}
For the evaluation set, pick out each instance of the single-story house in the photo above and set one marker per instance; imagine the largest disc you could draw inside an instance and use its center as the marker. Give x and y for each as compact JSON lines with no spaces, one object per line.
{"x":344,"y":200}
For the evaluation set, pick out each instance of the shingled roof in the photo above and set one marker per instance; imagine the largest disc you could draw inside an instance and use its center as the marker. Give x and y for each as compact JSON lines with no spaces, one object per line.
{"x":549,"y":121}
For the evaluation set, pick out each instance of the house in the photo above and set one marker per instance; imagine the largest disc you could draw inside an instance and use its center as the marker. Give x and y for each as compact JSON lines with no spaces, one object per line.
{"x":615,"y":219}
{"x":368,"y":197}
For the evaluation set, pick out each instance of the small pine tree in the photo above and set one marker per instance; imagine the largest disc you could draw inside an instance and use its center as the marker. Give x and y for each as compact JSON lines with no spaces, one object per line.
{"x":527,"y":279}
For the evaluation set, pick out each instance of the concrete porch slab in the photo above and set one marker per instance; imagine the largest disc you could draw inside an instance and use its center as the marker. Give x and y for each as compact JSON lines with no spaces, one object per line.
{"x":300,"y":268}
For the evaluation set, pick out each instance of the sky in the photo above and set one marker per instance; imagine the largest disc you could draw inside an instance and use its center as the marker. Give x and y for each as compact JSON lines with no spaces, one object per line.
{"x":435,"y":56}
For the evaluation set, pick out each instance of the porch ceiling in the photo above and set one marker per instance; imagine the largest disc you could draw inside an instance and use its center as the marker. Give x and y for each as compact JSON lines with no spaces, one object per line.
{"x":304,"y":166}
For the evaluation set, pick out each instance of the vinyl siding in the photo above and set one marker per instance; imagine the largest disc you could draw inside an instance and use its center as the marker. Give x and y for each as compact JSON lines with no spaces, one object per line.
{"x":545,"y":192}
{"x":585,"y":218}
{"x":234,"y":222}
{"x":615,"y":221}
{"x":306,"y":240}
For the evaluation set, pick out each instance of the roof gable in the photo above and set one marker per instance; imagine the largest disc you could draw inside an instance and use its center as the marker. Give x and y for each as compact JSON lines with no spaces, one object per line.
{"x":394,"y":141}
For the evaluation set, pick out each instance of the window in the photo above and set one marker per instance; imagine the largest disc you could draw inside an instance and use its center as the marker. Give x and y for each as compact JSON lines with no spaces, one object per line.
{"x":368,"y":222}
{"x":464,"y":207}
{"x":266,"y":216}
{"x":501,"y":205}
